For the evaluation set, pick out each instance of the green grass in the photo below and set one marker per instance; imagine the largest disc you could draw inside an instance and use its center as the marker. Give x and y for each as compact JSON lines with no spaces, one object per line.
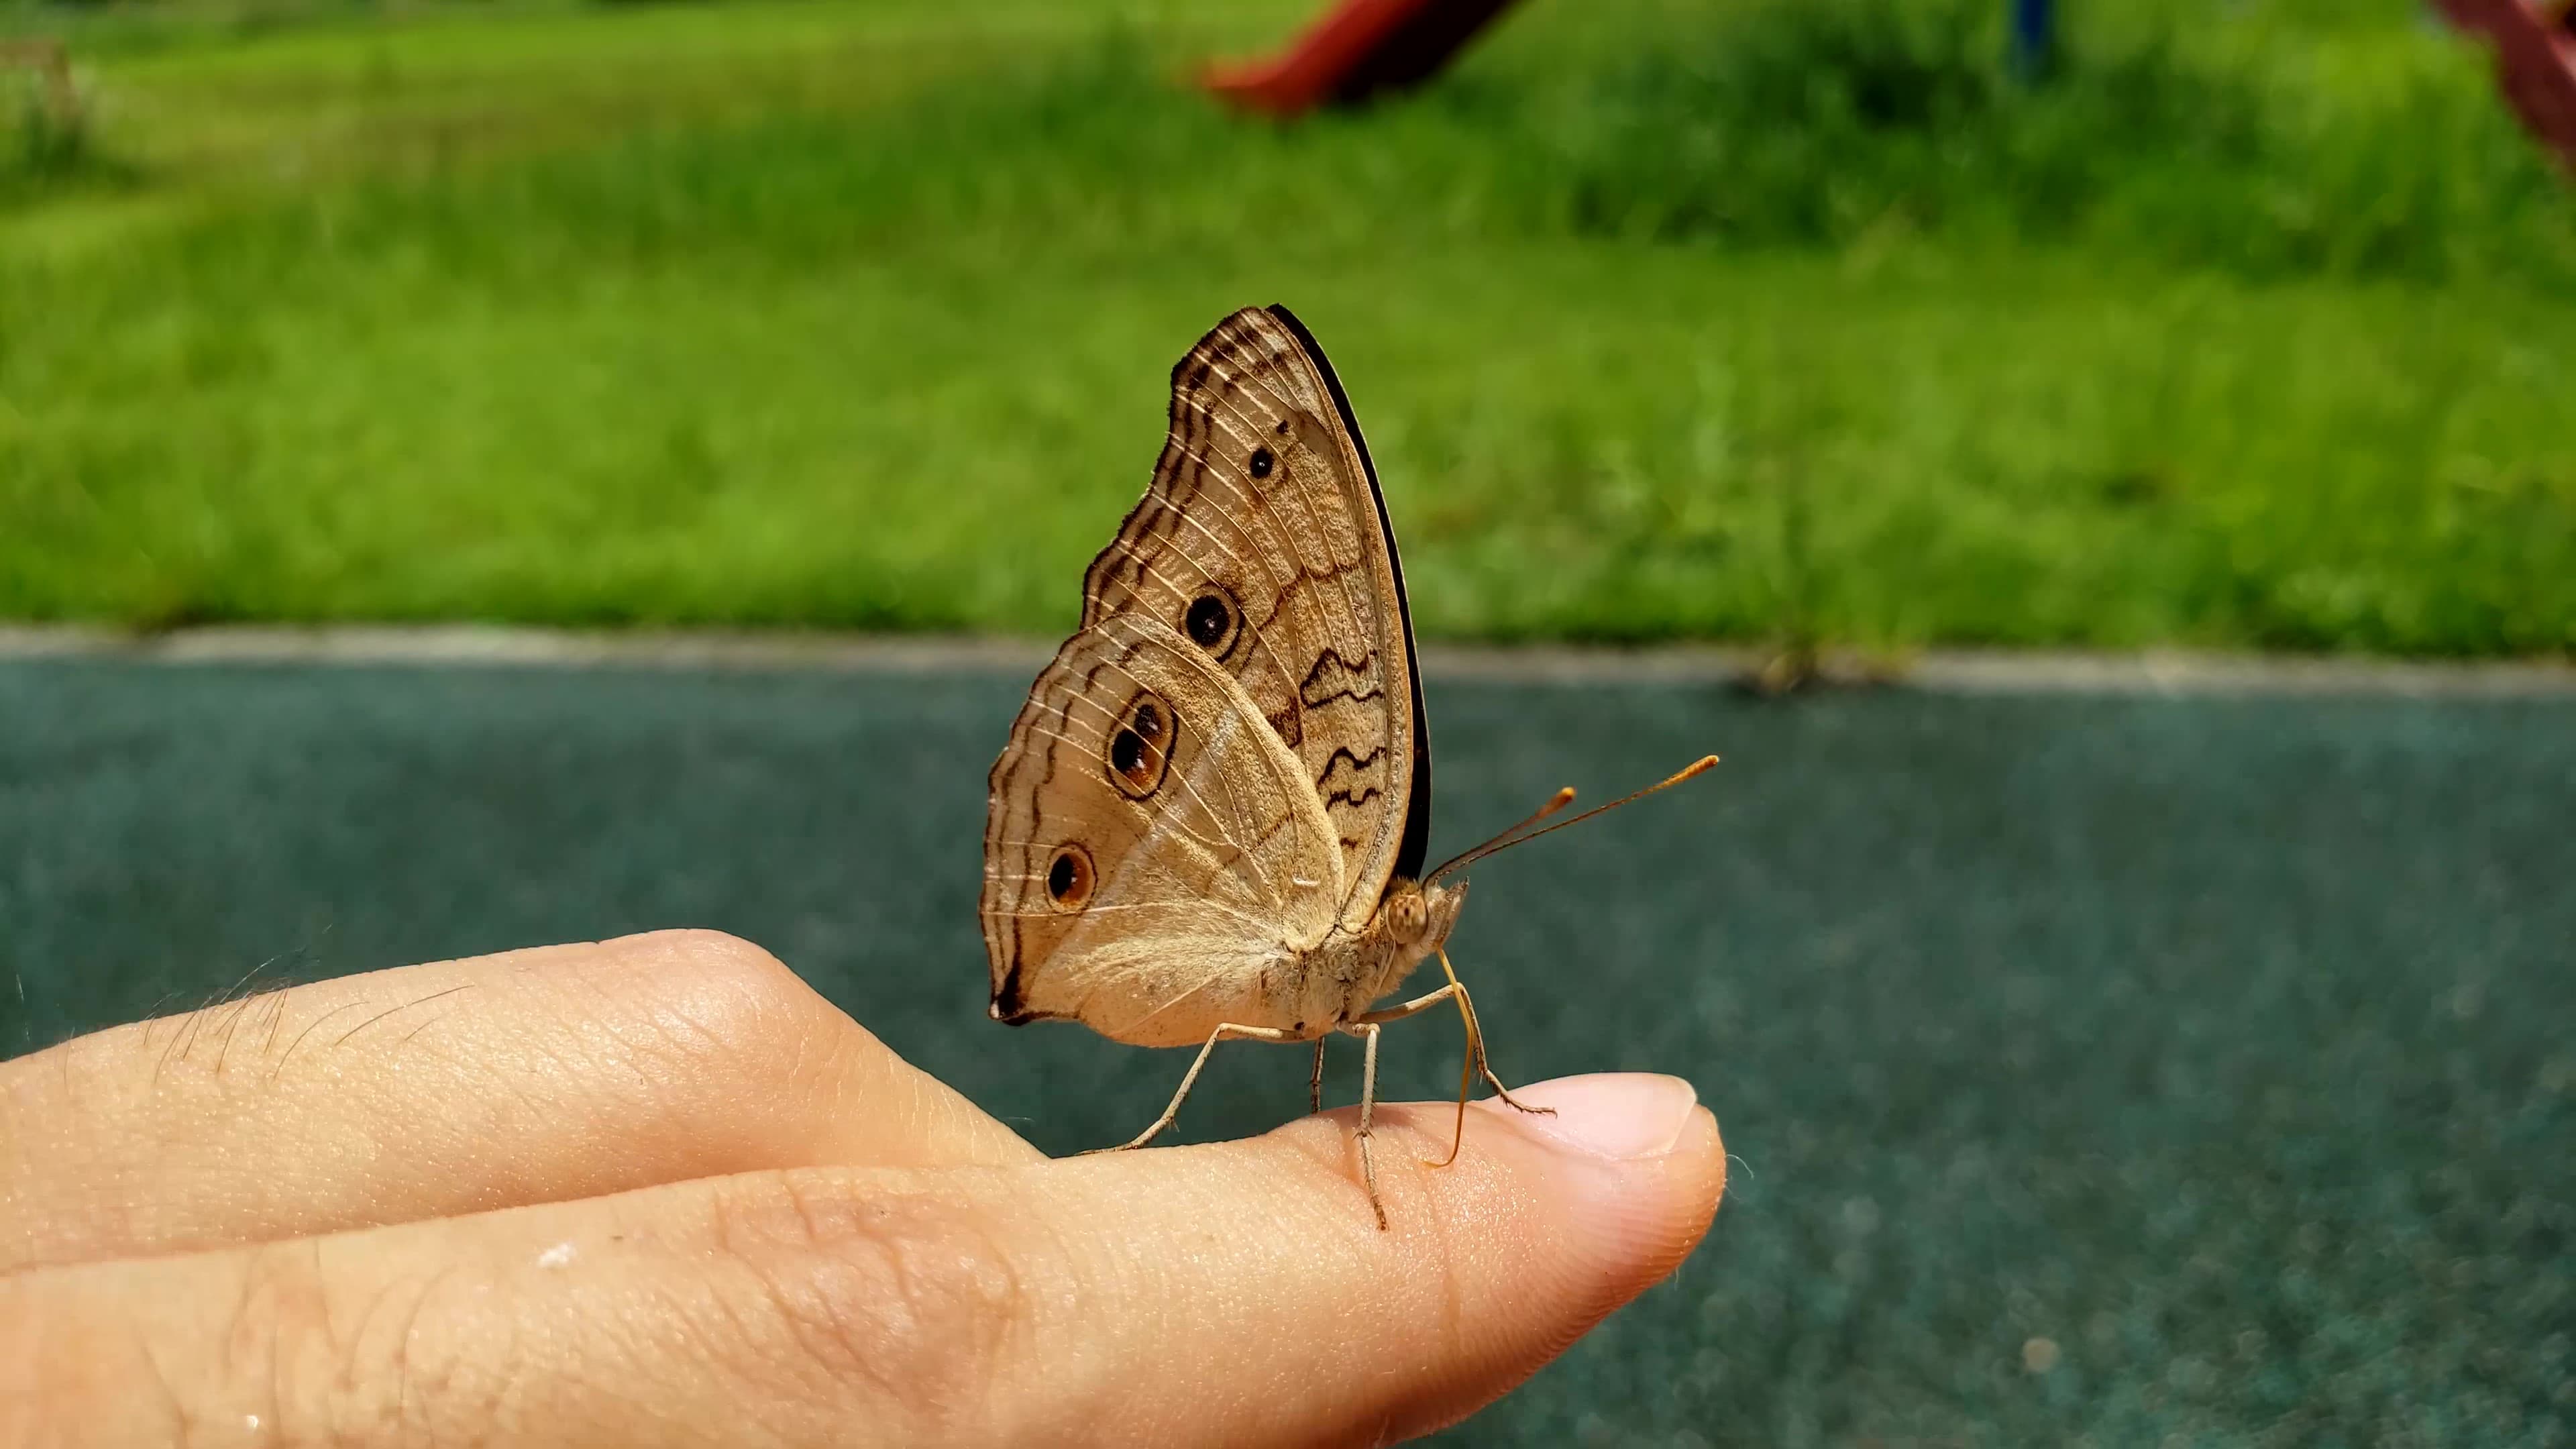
{"x":1749,"y":319}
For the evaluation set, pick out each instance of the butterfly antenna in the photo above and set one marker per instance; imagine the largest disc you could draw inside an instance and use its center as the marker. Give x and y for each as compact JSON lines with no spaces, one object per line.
{"x":1559,"y":801}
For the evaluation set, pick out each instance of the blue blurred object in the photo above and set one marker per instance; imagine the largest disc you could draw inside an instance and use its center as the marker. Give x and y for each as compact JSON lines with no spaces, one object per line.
{"x":2034,"y":38}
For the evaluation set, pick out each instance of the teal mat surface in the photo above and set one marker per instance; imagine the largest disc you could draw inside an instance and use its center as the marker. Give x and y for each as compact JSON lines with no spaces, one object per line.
{"x":2226,"y":1045}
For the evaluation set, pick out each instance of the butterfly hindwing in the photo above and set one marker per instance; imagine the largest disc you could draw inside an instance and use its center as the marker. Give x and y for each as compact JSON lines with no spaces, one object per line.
{"x":1153,"y":854}
{"x":1263,"y":543}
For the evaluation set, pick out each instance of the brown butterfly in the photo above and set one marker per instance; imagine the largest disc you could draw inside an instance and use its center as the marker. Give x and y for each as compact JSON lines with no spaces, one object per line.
{"x":1211,"y":817}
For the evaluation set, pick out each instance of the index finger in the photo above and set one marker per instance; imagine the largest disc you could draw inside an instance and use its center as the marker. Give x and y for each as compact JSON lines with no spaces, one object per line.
{"x":426,"y":1091}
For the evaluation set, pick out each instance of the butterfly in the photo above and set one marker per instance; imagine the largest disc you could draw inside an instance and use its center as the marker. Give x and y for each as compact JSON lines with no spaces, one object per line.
{"x":1211,"y":817}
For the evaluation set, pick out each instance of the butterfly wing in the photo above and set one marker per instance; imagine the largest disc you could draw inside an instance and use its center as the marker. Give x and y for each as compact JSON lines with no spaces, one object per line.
{"x":1154,"y":859}
{"x":1263,"y":541}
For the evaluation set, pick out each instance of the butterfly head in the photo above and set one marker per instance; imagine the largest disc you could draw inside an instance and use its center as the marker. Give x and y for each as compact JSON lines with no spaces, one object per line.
{"x":1413,"y":920}
{"x":1416,"y":917}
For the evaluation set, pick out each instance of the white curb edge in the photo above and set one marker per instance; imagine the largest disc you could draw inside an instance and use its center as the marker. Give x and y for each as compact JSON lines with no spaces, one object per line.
{"x":1945,"y":671}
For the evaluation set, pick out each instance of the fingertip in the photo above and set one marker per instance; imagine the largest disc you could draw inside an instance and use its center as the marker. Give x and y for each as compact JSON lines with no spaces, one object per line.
{"x":1635,"y":1166}
{"x":1566,"y":1218}
{"x":1611,"y":1116}
{"x":1545,"y":1224}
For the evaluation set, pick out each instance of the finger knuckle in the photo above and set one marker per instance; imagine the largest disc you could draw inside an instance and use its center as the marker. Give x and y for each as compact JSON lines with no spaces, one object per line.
{"x":710,"y":992}
{"x":893,"y":1306}
{"x":66,"y":1368}
{"x":718,"y":957}
{"x":296,"y":1370}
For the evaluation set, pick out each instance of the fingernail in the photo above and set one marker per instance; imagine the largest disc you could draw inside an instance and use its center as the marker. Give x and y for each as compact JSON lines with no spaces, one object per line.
{"x":1618,"y":1116}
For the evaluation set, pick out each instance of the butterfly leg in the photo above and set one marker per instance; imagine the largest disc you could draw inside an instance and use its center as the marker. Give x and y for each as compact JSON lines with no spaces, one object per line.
{"x":1315,"y":1082}
{"x":1223,"y":1030}
{"x":1476,"y":1038}
{"x":1366,"y":1031}
{"x":1475,"y":1061}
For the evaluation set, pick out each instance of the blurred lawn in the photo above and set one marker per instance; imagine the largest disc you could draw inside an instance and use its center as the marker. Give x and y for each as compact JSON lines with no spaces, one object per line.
{"x":1765,"y":318}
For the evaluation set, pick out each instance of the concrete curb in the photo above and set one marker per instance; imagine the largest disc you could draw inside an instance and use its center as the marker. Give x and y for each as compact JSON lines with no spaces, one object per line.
{"x":1943,"y":671}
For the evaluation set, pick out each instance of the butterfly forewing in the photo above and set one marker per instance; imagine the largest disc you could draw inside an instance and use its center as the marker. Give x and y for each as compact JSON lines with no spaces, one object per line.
{"x":1262,"y":544}
{"x":1153,"y":854}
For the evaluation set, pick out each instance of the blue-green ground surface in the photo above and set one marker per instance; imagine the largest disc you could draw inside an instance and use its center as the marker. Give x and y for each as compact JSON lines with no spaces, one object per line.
{"x":2221,"y":1043}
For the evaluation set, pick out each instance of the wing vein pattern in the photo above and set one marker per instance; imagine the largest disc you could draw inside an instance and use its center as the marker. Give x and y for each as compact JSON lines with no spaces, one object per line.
{"x":1225,"y":765}
{"x":1263,"y":498}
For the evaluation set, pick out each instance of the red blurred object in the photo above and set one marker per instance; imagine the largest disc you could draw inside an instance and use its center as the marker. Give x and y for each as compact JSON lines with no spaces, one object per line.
{"x":2535,"y":66}
{"x":1359,"y":48}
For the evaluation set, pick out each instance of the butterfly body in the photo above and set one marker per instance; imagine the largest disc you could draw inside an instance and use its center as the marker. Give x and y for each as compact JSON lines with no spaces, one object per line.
{"x":1192,"y":880}
{"x":1317,"y":992}
{"x":1302,"y":994}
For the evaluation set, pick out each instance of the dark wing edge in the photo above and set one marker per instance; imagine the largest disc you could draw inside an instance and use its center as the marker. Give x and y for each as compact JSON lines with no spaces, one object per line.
{"x":1002,"y":956}
{"x":1416,"y":843}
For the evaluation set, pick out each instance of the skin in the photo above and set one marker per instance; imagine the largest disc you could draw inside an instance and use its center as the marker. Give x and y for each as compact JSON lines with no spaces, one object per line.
{"x":655,"y":1191}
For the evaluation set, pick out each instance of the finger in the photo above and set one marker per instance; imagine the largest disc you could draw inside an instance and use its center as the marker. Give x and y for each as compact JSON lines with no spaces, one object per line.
{"x":534,"y":1076}
{"x":1228,"y":1294}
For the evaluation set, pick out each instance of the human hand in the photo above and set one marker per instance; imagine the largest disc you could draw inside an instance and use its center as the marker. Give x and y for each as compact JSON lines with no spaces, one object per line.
{"x":656,"y":1191}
